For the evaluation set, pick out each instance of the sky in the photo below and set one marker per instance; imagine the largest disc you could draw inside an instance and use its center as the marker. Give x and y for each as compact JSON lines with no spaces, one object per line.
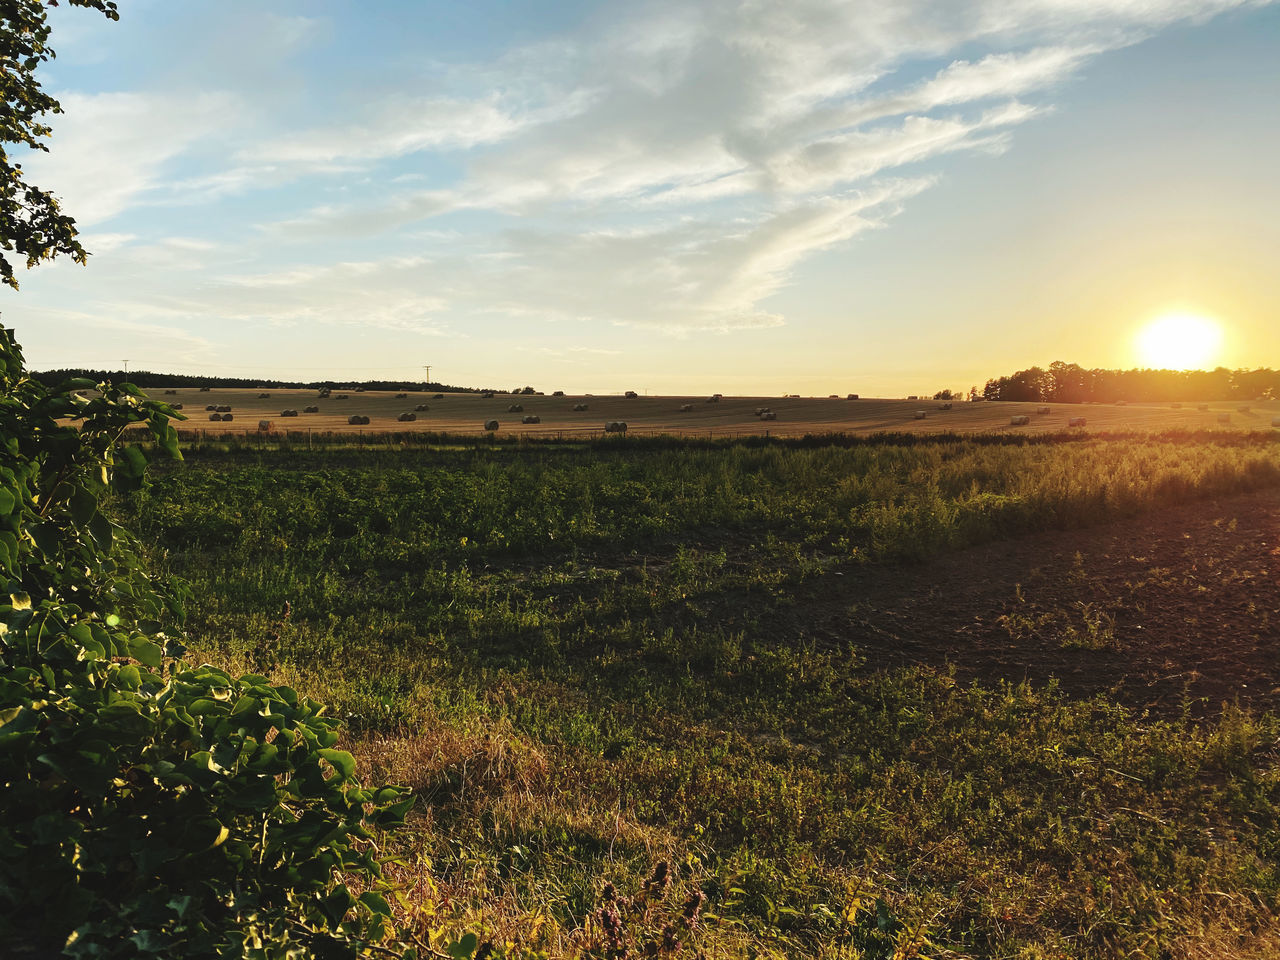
{"x":675,"y":196}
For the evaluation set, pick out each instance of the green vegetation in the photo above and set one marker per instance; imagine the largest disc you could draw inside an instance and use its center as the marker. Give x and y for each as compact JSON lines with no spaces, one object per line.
{"x":592,"y":660}
{"x":149,"y":808}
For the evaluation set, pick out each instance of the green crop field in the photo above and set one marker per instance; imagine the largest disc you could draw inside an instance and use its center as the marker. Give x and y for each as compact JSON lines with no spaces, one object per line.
{"x":593,"y":660}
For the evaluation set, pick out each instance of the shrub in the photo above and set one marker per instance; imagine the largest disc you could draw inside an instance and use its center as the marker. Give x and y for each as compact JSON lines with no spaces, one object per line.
{"x":148,"y":807}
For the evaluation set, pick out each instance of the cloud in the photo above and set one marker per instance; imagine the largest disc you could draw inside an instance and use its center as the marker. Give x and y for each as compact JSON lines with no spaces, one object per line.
{"x":113,"y":148}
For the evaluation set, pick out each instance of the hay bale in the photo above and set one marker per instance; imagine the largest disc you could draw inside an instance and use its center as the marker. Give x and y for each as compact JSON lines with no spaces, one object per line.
{"x":421,"y":408}
{"x":437,"y":396}
{"x":557,"y":393}
{"x":947,"y":406}
{"x":1042,"y":410}
{"x":921,"y":414}
{"x":216,"y":417}
{"x":175,"y":406}
{"x":1076,"y":422}
{"x":487,"y":395}
{"x":1021,"y":420}
{"x":204,"y":389}
{"x":265,"y":426}
{"x":264,"y":396}
{"x":401,"y":396}
{"x":356,"y":420}
{"x":686,"y":408}
{"x":288,"y":413}
{"x":631,"y":395}
{"x":324,"y":393}
{"x":833,"y":396}
{"x":491,"y":425}
{"x":407,"y":417}
{"x":852,"y":396}
{"x":311,"y":409}
{"x":531,"y":418}
{"x":224,"y":408}
{"x":359,"y":389}
{"x":227,"y":418}
{"x":715,"y":398}
{"x":768,"y":415}
{"x":1224,"y":418}
{"x":579,"y":407}
{"x":171,"y":393}
{"x":616,"y":426}
{"x":1243,"y":408}
{"x":1122,"y":403}
{"x":515,"y":408}
{"x":211,"y":406}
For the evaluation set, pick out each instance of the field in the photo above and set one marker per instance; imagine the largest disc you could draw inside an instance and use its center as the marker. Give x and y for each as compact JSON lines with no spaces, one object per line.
{"x":465,"y":413}
{"x":953,"y":698}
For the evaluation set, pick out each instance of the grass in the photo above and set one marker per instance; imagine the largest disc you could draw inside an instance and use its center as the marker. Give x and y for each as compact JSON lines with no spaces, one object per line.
{"x":588,"y":660}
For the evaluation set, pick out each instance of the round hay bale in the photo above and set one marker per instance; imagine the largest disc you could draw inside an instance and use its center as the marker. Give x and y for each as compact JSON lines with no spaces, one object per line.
{"x":516,"y":408}
{"x":491,"y":425}
{"x":265,"y":426}
{"x":324,"y":393}
{"x":852,"y":396}
{"x":1076,"y":422}
{"x":224,"y":408}
{"x":579,"y":407}
{"x":921,"y":414}
{"x":204,"y":389}
{"x":175,"y":406}
{"x":768,"y":415}
{"x":311,"y":409}
{"x":171,"y":393}
{"x":359,"y":389}
{"x":356,"y":420}
{"x":1224,"y":418}
{"x":1020,"y":420}
{"x":1243,"y":408}
{"x":407,"y":417}
{"x":616,"y":426}
{"x":437,"y":396}
{"x":401,"y":396}
{"x":226,"y":417}
{"x":686,"y":408}
{"x":487,"y":395}
{"x":264,"y":396}
{"x":532,"y":418}
{"x":421,"y":407}
{"x":631,"y":395}
{"x":216,"y":417}
{"x":557,"y":393}
{"x":288,"y":413}
{"x":211,"y":406}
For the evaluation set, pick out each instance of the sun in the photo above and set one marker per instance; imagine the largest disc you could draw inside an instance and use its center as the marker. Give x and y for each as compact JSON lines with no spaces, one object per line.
{"x":1179,"y":341}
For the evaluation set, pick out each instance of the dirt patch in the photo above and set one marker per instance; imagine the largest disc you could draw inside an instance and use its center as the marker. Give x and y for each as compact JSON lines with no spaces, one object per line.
{"x":1169,"y":608}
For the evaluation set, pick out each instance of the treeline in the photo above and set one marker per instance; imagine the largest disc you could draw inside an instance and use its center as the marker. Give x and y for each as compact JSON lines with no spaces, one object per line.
{"x":145,"y":379}
{"x":1071,"y":383}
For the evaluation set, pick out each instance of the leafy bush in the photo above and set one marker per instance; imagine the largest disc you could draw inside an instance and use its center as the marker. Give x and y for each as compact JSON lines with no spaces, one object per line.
{"x":149,"y":808}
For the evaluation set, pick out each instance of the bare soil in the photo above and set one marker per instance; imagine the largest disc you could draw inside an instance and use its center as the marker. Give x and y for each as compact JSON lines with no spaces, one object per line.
{"x":1171,"y":611}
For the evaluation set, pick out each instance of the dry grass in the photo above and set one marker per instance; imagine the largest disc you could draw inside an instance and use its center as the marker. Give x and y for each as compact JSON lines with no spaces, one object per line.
{"x":466,"y":412}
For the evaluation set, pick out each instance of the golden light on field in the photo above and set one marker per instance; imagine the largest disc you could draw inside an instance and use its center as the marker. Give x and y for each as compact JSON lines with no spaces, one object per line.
{"x":1179,"y":341}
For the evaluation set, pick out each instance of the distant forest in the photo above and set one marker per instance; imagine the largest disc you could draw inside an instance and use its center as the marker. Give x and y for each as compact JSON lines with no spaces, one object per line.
{"x":1071,"y":383}
{"x":145,"y":379}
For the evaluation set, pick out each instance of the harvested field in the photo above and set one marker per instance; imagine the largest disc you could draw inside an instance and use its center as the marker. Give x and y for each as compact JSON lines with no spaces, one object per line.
{"x":466,"y":413}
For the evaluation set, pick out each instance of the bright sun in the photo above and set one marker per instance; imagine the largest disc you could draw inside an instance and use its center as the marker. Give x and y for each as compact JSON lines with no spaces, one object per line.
{"x":1179,"y":341}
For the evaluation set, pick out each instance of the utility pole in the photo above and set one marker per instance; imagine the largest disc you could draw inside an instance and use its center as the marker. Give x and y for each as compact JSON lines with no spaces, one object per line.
{"x":126,"y":368}
{"x":427,"y":367}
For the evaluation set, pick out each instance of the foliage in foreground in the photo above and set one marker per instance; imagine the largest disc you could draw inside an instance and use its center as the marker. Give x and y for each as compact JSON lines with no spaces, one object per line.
{"x":147,"y":807}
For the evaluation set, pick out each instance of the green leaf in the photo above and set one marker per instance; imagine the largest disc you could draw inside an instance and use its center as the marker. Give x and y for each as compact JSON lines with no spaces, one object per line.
{"x":376,"y":903}
{"x":342,"y":761}
{"x":464,"y":948}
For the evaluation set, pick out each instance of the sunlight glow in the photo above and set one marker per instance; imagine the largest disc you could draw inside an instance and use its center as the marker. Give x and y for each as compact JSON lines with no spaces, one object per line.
{"x":1179,"y":341}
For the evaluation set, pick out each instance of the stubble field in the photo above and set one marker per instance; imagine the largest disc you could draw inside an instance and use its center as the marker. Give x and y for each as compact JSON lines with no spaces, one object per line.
{"x":953,"y":698}
{"x":465,"y":413}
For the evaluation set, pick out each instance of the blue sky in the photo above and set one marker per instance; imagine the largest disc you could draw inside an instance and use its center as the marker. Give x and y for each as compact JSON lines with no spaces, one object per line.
{"x":682,"y":197}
